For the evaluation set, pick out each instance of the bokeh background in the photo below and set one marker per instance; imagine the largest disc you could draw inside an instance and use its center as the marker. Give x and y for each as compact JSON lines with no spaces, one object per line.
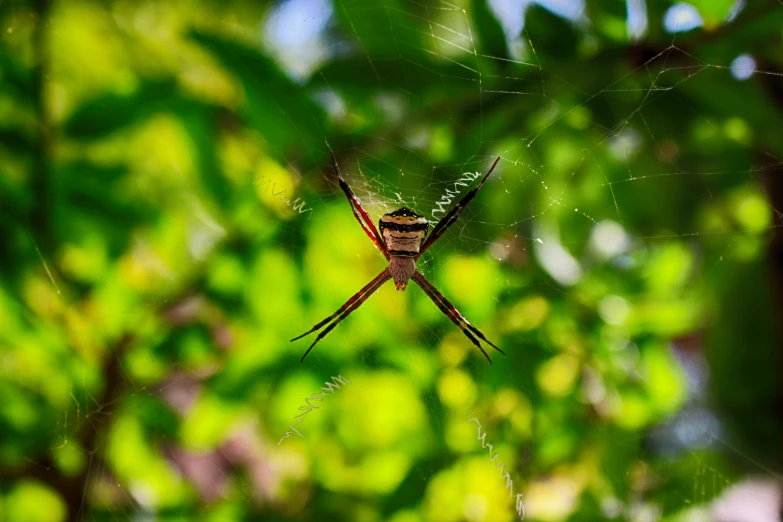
{"x":169,"y":219}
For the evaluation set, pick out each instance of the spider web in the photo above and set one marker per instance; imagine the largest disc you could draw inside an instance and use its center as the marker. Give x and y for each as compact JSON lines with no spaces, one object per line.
{"x":564,"y":214}
{"x":543,"y":225}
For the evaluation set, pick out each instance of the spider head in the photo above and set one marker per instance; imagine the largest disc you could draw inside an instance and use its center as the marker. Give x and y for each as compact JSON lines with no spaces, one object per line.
{"x":403,"y":231}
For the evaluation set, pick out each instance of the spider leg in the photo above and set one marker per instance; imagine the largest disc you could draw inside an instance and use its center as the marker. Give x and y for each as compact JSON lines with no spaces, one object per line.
{"x":345,"y":310}
{"x":452,"y":313}
{"x":454,"y":213}
{"x":358,"y":211}
{"x":348,"y":303}
{"x":443,"y":308}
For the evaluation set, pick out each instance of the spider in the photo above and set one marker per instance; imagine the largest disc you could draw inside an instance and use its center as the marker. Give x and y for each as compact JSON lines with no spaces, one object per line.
{"x":400,"y":241}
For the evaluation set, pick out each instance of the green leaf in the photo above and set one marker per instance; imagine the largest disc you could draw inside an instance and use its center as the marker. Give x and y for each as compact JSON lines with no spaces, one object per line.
{"x":391,"y":29}
{"x":713,"y":11}
{"x":276,"y":106}
{"x":198,"y":119}
{"x":90,"y":198}
{"x":552,"y":35}
{"x":109,"y":113}
{"x":491,"y":37}
{"x":32,"y":501}
{"x":16,"y":141}
{"x":14,"y":78}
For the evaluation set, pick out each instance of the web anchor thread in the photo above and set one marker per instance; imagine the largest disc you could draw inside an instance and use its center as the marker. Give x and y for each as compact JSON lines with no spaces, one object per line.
{"x":520,"y":506}
{"x":327,"y":388}
{"x":298,"y":204}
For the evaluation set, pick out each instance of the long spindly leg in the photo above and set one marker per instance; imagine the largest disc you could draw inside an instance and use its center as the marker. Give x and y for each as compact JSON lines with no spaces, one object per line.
{"x":358,"y":211}
{"x":454,"y":319}
{"x":451,"y":311}
{"x":345,"y":310}
{"x":454,"y":213}
{"x":419,"y":277}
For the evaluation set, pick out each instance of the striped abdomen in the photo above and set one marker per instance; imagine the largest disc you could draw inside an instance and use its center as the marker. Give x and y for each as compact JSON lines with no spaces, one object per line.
{"x":403,"y":231}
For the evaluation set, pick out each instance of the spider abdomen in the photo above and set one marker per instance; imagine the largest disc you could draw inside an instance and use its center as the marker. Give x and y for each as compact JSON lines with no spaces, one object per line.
{"x":402,"y":269}
{"x":403,"y":232}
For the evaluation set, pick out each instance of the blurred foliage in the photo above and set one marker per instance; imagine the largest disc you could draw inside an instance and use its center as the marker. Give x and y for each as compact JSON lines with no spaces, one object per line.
{"x":624,"y":256}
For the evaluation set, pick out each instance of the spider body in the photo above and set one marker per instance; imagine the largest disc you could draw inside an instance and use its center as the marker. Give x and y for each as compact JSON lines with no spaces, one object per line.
{"x":402,"y":241}
{"x":403,"y":232}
